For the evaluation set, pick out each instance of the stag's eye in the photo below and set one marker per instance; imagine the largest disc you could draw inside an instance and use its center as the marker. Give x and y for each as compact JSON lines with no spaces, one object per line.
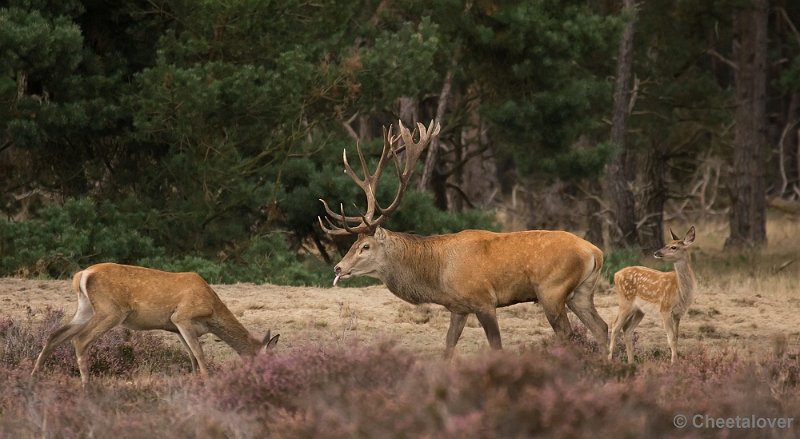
{"x":673,"y":247}
{"x":365,"y":247}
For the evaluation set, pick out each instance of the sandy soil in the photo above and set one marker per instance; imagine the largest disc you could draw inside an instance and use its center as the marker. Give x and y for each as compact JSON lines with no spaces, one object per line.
{"x":747,"y":313}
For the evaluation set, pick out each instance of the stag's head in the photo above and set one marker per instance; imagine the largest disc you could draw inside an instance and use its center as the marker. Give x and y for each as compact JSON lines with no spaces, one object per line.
{"x":676,"y":249}
{"x":365,"y":257}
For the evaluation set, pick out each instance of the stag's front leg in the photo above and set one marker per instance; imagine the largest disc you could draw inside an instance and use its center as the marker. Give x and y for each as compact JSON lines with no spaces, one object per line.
{"x":457,"y":322}
{"x":488,"y":320}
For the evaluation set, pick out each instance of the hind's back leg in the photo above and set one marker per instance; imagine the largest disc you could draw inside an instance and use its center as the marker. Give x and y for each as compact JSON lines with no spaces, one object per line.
{"x":66,"y":332}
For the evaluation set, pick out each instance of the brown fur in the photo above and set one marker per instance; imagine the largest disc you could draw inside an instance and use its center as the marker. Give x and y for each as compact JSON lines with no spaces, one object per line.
{"x":477,"y":271}
{"x":671,"y":293}
{"x":140,"y":298}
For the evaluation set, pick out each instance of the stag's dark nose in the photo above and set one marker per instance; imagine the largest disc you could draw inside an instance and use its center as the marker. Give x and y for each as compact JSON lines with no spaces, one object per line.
{"x":337,"y":270}
{"x":657,"y":254}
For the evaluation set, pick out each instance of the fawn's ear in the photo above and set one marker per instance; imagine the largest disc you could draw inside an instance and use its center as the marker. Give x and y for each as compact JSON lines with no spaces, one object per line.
{"x":674,"y":236}
{"x":689,"y":238}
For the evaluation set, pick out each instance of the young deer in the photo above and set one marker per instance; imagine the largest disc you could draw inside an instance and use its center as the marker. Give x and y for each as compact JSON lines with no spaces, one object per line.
{"x":141,"y":299}
{"x":641,"y":288}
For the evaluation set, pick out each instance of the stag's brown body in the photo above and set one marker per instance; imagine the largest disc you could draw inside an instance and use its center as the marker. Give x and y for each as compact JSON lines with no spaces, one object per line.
{"x":477,"y":271}
{"x":473,"y":271}
{"x":140,"y":298}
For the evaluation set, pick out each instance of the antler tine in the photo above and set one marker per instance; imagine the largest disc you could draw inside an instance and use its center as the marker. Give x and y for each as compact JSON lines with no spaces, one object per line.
{"x":349,"y":170}
{"x":413,"y":150}
{"x":332,"y":230}
{"x":365,"y":223}
{"x":331,"y":213}
{"x":388,"y":140}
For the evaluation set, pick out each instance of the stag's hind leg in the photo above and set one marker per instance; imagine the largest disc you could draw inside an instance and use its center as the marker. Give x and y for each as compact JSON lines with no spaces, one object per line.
{"x":556,"y":315}
{"x":581,"y":302}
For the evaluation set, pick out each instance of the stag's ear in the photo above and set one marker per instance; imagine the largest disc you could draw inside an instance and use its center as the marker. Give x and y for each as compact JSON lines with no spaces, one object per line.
{"x":380,"y":233}
{"x":674,"y":236}
{"x":689,"y":238}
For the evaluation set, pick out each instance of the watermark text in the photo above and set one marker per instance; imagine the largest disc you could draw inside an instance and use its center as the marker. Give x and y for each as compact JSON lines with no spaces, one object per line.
{"x":751,"y":422}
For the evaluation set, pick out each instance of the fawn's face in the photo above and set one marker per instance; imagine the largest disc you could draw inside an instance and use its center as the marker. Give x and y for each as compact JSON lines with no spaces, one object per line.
{"x":676,"y":249}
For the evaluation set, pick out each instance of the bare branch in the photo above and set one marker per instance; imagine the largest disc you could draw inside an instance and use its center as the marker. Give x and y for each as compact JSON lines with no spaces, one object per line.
{"x":720,"y":57}
{"x":785,"y":16}
{"x":782,"y":159}
{"x":347,"y":127}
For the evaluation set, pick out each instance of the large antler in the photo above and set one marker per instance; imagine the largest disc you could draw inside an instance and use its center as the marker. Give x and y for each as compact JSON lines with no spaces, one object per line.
{"x":365,"y":223}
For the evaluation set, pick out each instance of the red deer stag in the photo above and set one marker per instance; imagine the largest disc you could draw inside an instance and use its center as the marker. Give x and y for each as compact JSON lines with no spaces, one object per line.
{"x":141,"y":298}
{"x":473,"y":271}
{"x":641,"y":289}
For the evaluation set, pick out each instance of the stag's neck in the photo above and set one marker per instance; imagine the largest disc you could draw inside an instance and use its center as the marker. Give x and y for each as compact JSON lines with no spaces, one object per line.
{"x":413,"y":269}
{"x":687,"y":285}
{"x":225,"y":326}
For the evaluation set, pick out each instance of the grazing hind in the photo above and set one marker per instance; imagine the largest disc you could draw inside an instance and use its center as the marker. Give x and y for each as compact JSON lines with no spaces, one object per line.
{"x":139,"y":298}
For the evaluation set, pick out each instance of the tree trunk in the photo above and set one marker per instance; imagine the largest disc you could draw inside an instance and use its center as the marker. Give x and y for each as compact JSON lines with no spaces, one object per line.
{"x":651,"y":231}
{"x":433,"y":148}
{"x":621,"y":170}
{"x":594,"y":214}
{"x":747,"y":187}
{"x":790,"y":161}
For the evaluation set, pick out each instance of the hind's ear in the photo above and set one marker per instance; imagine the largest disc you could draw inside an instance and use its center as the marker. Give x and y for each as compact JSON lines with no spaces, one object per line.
{"x":270,"y":342}
{"x":674,"y":236}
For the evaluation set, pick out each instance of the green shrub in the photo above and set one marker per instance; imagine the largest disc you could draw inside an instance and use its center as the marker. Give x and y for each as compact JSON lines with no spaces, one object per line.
{"x":211,"y":271}
{"x":61,"y":239}
{"x":418,"y":214}
{"x":621,"y":258}
{"x":270,"y":258}
{"x":618,"y":259}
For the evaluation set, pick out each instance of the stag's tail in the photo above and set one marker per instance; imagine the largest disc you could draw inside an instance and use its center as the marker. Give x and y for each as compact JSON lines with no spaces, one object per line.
{"x":76,"y":282}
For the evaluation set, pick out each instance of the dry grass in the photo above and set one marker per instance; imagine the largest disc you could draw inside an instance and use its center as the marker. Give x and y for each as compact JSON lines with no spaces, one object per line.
{"x":358,"y":362}
{"x":745,"y":301}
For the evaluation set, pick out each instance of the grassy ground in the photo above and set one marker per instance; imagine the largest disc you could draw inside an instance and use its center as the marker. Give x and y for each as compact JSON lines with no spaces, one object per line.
{"x":348,"y":352}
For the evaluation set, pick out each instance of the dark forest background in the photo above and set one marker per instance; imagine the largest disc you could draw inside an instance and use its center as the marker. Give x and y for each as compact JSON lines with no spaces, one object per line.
{"x":199,"y":136}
